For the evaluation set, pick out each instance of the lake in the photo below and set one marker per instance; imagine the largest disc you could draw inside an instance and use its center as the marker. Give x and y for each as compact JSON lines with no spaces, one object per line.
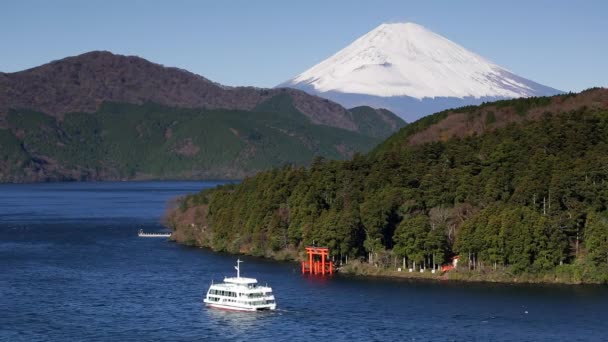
{"x":73,"y":268}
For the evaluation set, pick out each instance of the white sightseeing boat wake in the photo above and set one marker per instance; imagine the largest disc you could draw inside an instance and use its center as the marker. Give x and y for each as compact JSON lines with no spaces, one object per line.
{"x":240,"y":294}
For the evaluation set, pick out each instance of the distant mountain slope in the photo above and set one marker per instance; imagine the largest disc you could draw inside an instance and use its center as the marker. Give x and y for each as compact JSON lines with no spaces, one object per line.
{"x":412,"y":71}
{"x":376,"y":122}
{"x":126,"y":141}
{"x":82,"y":83}
{"x":102,"y":116}
{"x":477,"y":120}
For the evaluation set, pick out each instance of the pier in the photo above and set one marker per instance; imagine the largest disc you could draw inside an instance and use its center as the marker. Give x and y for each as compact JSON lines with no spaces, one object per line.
{"x":155,"y":235}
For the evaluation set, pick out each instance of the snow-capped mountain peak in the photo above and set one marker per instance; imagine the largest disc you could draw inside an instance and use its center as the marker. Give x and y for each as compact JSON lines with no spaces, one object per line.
{"x":406,"y":59}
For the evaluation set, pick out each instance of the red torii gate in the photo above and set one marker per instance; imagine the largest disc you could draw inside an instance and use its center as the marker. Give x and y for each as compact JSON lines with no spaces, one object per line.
{"x":316,"y":266}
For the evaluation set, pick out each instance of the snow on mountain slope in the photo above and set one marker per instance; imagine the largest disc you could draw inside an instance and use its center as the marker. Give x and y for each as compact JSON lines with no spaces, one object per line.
{"x":407,"y":60}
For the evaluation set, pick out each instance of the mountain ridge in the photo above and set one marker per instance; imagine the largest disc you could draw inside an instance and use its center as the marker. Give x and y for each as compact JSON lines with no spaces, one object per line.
{"x":101,"y":116}
{"x":477,"y":120}
{"x":81,"y":83}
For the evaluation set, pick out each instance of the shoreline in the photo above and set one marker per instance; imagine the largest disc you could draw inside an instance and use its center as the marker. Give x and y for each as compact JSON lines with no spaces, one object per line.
{"x":365,"y":271}
{"x":188,"y":233}
{"x":467,"y":276}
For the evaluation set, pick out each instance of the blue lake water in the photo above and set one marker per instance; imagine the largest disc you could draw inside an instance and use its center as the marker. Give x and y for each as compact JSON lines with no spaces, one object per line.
{"x":73,"y":268}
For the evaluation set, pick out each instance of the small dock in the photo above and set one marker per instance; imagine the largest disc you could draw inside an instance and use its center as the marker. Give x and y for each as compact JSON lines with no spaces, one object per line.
{"x":153,"y":235}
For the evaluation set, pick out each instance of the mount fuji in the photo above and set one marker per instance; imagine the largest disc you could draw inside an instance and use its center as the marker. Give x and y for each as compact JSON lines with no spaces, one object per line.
{"x":413,"y":72}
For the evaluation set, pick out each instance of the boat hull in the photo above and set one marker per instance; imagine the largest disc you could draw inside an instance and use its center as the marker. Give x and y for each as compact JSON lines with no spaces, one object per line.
{"x":154,"y":235}
{"x":239,"y":308}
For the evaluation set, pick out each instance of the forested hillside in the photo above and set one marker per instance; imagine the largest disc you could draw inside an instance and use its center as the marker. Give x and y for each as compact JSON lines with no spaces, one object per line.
{"x":150,"y":141}
{"x":527,"y":197}
{"x":101,"y":116}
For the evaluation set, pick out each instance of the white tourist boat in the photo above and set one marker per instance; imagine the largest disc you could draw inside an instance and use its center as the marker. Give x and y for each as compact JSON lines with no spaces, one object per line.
{"x":154,"y":235}
{"x":240,"y":294}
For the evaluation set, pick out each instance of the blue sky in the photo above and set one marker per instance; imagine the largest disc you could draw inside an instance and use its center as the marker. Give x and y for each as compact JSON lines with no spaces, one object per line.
{"x":562,"y":44}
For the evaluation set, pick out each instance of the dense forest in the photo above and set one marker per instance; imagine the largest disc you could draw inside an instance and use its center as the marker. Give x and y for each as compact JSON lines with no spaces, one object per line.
{"x":525,"y":198}
{"x":151,"y":141}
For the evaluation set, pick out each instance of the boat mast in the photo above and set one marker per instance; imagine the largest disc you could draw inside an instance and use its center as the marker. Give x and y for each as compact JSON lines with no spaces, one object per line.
{"x":238,"y":268}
